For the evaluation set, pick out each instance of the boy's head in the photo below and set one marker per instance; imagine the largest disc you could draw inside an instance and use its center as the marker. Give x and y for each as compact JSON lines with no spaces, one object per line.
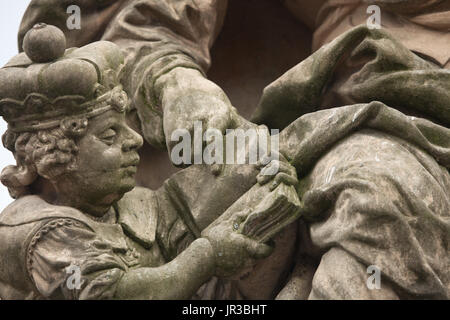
{"x":66,"y":120}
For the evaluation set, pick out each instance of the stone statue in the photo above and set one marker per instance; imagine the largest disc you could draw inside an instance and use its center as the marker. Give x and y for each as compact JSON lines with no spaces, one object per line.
{"x":373,"y":178}
{"x":76,"y":158}
{"x":180,"y":39}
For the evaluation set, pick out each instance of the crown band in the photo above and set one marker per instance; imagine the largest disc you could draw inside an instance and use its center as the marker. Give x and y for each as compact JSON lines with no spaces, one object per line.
{"x":55,"y":123}
{"x":115,"y":99}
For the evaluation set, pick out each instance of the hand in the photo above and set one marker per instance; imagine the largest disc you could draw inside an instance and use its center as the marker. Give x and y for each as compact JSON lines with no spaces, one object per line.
{"x":233,"y":251}
{"x":277,"y":171}
{"x":188,"y":97}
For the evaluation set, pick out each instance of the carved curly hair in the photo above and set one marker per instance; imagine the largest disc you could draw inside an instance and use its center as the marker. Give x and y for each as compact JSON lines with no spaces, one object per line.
{"x":47,"y":153}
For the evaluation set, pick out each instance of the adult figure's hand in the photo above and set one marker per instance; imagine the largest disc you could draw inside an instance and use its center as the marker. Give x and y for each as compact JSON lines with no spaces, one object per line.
{"x":188,"y":97}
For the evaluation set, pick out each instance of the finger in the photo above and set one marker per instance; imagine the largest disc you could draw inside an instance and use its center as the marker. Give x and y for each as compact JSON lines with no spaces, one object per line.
{"x":268,"y":172}
{"x":257,"y":250}
{"x":266,"y":159}
{"x":240,"y":216}
{"x":263,"y":179}
{"x":221,"y":121}
{"x":286,"y":179}
{"x":271,"y":169}
{"x":274,"y":155}
{"x":286,"y":173}
{"x":287,"y":168}
{"x":275,"y":166}
{"x":283,"y":178}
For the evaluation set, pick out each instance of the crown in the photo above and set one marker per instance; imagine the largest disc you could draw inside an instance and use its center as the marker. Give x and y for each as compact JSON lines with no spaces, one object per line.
{"x":48,"y":82}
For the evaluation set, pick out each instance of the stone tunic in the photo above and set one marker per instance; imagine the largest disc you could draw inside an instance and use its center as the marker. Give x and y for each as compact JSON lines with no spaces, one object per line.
{"x":42,"y":240}
{"x":46,"y":244}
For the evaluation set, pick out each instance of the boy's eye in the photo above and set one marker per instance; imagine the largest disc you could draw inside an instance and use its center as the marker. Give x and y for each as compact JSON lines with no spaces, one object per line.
{"x":108,"y":136}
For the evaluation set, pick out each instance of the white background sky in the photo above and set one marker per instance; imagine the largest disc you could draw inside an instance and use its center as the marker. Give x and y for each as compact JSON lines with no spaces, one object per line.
{"x":11,"y":12}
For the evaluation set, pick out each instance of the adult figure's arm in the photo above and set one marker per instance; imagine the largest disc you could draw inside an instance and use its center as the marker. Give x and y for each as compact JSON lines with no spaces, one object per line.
{"x":167,"y":55}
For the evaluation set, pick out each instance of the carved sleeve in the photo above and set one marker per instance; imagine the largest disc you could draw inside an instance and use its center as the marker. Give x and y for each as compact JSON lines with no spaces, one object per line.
{"x":66,"y":260}
{"x":157,"y":37}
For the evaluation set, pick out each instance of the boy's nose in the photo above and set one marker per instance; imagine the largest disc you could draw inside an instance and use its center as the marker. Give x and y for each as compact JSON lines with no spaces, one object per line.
{"x":133,"y":142}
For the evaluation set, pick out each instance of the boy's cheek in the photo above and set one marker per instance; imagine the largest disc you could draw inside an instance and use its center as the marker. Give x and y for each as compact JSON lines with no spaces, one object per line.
{"x":110,"y":159}
{"x":99,"y":157}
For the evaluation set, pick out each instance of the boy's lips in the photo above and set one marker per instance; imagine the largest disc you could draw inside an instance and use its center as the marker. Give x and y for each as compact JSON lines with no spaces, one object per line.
{"x":130,"y":169}
{"x":132,"y":163}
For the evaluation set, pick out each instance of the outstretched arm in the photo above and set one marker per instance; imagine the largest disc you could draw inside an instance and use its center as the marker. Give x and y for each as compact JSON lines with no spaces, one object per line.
{"x":68,"y":260}
{"x":178,"y":279}
{"x":167,"y":39}
{"x":170,"y":38}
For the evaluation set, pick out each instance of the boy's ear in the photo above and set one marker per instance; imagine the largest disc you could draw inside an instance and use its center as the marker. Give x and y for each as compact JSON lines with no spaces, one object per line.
{"x":14,"y":176}
{"x":17,"y":179}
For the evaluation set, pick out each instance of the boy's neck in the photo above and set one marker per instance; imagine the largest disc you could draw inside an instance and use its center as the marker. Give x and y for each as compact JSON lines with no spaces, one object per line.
{"x":47,"y":191}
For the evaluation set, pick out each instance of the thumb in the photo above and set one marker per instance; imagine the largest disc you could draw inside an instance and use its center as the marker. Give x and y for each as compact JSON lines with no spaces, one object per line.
{"x":257,"y":250}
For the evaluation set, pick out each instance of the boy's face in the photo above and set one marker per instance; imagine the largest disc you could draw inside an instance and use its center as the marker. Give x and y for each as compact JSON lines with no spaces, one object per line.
{"x":106,"y":162}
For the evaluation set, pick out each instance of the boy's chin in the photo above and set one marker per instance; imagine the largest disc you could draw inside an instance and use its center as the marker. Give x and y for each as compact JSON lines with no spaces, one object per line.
{"x":118,"y":194}
{"x":127,"y":185}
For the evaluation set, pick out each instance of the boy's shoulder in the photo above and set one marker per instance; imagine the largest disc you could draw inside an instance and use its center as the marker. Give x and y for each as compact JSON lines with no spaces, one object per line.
{"x":32,"y":208}
{"x":137,"y":213}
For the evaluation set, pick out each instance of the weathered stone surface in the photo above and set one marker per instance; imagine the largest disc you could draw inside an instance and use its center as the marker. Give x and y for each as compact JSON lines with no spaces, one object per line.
{"x":363,"y":170}
{"x":44,"y":43}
